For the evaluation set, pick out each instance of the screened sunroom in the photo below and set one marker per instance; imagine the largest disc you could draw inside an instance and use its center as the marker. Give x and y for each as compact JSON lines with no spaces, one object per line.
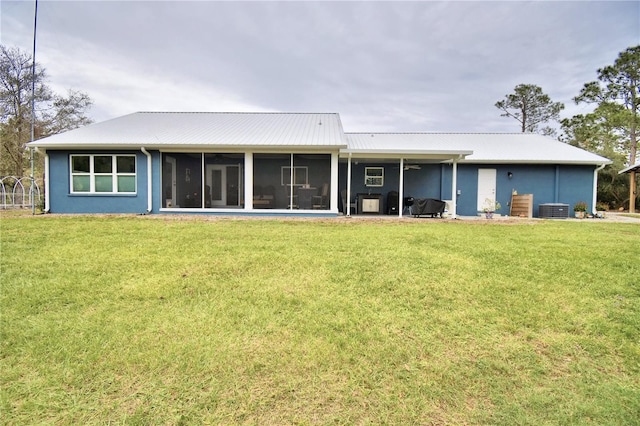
{"x":275,"y":181}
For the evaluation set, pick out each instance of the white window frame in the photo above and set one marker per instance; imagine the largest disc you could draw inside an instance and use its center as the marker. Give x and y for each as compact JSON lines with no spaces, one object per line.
{"x":285,"y":175}
{"x":92,"y":174}
{"x":376,"y":180}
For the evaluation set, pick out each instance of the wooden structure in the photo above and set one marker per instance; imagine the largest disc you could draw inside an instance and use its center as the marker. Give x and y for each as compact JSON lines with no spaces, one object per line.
{"x":522,"y":205}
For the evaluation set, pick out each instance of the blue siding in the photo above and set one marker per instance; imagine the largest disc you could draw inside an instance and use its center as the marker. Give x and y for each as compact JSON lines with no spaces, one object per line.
{"x":468,"y":190}
{"x":62,"y":201}
{"x":548,"y":183}
{"x":424,"y":183}
{"x":576,"y":184}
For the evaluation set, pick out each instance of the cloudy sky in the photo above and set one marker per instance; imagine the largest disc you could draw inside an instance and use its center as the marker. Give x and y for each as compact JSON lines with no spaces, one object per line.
{"x":384,"y":66}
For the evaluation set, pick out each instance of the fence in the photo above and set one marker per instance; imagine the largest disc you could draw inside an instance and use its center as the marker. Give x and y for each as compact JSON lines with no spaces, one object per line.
{"x":16,"y":193}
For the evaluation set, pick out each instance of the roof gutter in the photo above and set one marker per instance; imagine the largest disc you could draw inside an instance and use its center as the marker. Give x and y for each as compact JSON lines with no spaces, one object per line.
{"x":403,"y":153}
{"x":200,"y":147}
{"x":537,"y":162}
{"x":149,"y":180}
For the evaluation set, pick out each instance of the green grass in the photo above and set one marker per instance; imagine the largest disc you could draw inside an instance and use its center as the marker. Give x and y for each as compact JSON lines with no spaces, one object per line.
{"x":141,"y":320}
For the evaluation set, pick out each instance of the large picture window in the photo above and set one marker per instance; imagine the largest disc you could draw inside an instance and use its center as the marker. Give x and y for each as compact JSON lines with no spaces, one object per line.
{"x":103,"y":174}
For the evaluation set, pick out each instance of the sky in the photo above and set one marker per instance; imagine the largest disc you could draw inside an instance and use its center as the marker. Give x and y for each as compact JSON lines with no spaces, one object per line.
{"x":420,"y":66}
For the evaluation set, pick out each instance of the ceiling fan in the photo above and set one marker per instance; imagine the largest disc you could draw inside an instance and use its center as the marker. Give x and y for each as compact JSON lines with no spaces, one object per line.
{"x":412,"y":167}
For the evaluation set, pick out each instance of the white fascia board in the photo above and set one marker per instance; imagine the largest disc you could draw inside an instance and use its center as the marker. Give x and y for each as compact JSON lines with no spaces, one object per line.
{"x":258,"y":149}
{"x":404,"y":153}
{"x":193,"y":148}
{"x":540,"y":162}
{"x":87,"y":146}
{"x":635,"y":167}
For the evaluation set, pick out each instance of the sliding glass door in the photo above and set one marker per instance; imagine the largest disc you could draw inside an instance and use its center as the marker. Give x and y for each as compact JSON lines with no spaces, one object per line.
{"x":197,"y":180}
{"x":291,"y":181}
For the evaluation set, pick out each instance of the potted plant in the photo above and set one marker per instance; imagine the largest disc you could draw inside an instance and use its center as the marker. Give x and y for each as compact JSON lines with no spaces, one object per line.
{"x":490,"y":207}
{"x":601,"y":209}
{"x":580,"y":209}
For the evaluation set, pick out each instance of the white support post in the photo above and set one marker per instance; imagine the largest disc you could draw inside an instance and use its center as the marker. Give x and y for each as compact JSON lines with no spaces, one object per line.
{"x":291,"y":182}
{"x":348,"y":206}
{"x":248,"y":180}
{"x":333,"y":202}
{"x":401,"y":189}
{"x":203,"y":201}
{"x":454,"y":189}
{"x":149,"y":180}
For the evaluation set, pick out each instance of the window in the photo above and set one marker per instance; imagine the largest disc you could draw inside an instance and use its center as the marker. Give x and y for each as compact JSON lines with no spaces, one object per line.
{"x":103,"y":174}
{"x":374,"y":176}
{"x":300,"y":175}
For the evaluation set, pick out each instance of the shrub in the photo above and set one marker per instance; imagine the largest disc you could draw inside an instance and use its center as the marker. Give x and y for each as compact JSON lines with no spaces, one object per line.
{"x":580,"y":206}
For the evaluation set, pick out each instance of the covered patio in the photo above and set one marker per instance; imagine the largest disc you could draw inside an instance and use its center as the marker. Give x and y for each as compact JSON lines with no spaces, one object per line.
{"x":380,"y":155}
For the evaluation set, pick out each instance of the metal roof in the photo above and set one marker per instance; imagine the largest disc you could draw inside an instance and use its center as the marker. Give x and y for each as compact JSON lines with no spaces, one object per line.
{"x":634,"y":168}
{"x":481,"y":147}
{"x":310,"y":131}
{"x":212,"y":129}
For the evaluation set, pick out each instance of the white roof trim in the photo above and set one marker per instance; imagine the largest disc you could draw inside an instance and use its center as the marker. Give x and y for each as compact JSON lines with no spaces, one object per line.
{"x":633,"y":168}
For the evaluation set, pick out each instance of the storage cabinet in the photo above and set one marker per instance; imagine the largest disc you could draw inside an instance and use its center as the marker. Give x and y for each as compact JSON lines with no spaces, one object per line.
{"x":370,"y":204}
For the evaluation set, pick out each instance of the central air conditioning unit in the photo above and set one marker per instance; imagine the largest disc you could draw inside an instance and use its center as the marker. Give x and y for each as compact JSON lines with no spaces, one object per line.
{"x":553,"y":211}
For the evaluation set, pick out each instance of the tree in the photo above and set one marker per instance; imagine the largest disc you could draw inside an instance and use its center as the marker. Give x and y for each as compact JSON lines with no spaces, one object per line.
{"x":592,"y":133}
{"x":53,"y":113}
{"x":617,"y":96}
{"x":531,"y":108}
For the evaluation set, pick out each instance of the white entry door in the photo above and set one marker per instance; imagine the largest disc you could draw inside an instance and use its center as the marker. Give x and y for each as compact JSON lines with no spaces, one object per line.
{"x":486,"y":187}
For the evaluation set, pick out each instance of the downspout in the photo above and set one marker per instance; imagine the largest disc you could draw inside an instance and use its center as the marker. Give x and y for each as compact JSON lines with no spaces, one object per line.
{"x":47,"y":205}
{"x":149,"y":180}
{"x":595,"y":188}
{"x":556,"y":190}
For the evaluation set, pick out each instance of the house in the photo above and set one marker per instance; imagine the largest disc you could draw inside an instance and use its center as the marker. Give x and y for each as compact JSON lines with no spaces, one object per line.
{"x":298,"y":164}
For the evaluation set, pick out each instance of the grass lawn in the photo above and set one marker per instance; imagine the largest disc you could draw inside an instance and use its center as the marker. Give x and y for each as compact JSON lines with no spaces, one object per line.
{"x":163,"y":320}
